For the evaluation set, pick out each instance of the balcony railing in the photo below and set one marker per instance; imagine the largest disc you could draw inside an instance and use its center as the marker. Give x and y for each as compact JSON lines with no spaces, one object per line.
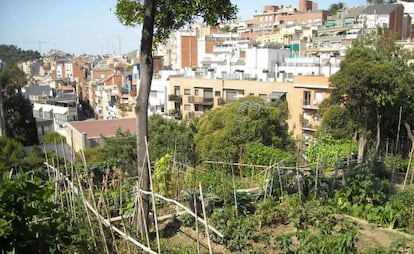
{"x":175,"y":98}
{"x":306,"y":125}
{"x":221,"y":101}
{"x":175,"y":113}
{"x":200,"y":100}
{"x":195,"y":114}
{"x":307,"y":104}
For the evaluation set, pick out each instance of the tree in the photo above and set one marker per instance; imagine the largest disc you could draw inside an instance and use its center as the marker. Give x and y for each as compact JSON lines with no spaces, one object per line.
{"x":373,"y":83}
{"x":53,"y":137}
{"x":337,"y":122}
{"x":334,"y":8}
{"x":169,"y":136}
{"x":122,"y":148}
{"x":18,"y":112}
{"x":11,"y":154}
{"x":158,"y":19}
{"x":12,"y":55}
{"x":223,"y":132}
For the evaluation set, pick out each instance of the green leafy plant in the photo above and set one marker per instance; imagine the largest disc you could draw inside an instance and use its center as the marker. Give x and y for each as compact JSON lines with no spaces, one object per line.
{"x":29,"y":220}
{"x":238,"y":231}
{"x":162,"y":175}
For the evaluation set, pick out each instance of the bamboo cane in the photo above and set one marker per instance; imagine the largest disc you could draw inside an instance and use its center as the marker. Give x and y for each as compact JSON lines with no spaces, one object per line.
{"x":205,"y":219}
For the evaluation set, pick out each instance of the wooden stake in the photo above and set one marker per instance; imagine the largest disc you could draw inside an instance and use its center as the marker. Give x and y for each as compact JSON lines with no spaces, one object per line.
{"x":153,"y":197}
{"x":409,"y":165}
{"x":186,"y":209}
{"x":205,"y":219}
{"x":196,"y":224}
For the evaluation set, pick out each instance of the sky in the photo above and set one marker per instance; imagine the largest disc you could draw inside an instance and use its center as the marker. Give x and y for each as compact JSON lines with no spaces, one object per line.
{"x":90,"y":26}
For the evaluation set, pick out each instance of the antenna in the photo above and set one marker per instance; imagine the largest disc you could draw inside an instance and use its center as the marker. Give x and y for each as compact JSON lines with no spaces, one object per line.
{"x":40,"y":46}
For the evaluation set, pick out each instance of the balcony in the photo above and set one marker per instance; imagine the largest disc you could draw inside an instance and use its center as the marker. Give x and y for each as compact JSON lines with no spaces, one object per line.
{"x":308,"y":105}
{"x":221,"y":101}
{"x":175,"y":98}
{"x":201,"y":100}
{"x":174,"y":113}
{"x":307,"y":126}
{"x":195,"y":114}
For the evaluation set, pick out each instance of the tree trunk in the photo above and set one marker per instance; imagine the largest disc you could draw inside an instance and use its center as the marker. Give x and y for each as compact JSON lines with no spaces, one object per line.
{"x":410,"y":133}
{"x":377,"y":146}
{"x":362,"y":142}
{"x":141,"y":110}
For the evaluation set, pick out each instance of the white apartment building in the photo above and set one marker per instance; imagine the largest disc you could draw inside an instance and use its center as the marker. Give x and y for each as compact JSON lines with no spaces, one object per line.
{"x":58,"y":114}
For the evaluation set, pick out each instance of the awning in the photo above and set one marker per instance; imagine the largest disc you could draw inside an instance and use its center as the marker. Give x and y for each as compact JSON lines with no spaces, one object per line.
{"x":276,"y":95}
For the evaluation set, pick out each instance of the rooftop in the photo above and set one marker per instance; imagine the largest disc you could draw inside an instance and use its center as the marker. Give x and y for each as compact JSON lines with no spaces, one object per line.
{"x":105,"y":128}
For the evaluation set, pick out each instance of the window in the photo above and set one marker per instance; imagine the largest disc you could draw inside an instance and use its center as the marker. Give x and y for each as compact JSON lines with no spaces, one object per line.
{"x":176,"y":90}
{"x":196,"y":92}
{"x":318,"y":97}
{"x":187,"y":92}
{"x":208,"y":93}
{"x":187,"y":107}
{"x":306,"y":98}
{"x":217,"y":93}
{"x":231,"y":95}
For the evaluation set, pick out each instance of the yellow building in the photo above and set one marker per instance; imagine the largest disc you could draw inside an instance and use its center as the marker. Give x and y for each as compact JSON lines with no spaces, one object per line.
{"x":191,"y":97}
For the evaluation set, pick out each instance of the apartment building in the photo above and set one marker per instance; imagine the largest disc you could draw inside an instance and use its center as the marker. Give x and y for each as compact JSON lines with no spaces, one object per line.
{"x":57,"y":115}
{"x":31,"y":68}
{"x":272,"y":18}
{"x":390,"y":17}
{"x":192,"y":97}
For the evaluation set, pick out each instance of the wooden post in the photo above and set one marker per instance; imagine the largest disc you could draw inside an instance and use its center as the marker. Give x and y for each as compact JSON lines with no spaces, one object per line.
{"x":205,"y":220}
{"x":153,"y":198}
{"x":409,"y":166}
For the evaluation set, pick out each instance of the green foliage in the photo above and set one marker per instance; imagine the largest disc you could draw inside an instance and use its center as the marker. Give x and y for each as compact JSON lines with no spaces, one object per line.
{"x":238,"y":231}
{"x":95,"y":154}
{"x":334,"y":8}
{"x":336,"y":122}
{"x":18,"y":112}
{"x":363,"y":187}
{"x":327,"y":152}
{"x":29,"y":220}
{"x":34,"y":159}
{"x":269,"y":212}
{"x":223,"y":132}
{"x":122,"y":148}
{"x":397,"y":247}
{"x":378,"y":92}
{"x":367,"y":196}
{"x":11,"y":154}
{"x":53,"y":137}
{"x":172,"y":15}
{"x":259,"y":154}
{"x":162,"y":175}
{"x":176,"y":248}
{"x":318,"y":229}
{"x":172,"y":137}
{"x":12,"y":55}
{"x":398,"y":212}
{"x":396,"y":162}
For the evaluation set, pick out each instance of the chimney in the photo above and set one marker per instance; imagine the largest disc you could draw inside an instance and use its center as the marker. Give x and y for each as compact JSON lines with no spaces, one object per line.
{"x":302,"y":5}
{"x":305,"y":5}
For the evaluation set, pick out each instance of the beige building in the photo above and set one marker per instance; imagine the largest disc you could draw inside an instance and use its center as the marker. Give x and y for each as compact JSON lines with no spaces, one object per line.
{"x":88,"y":134}
{"x":191,"y":97}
